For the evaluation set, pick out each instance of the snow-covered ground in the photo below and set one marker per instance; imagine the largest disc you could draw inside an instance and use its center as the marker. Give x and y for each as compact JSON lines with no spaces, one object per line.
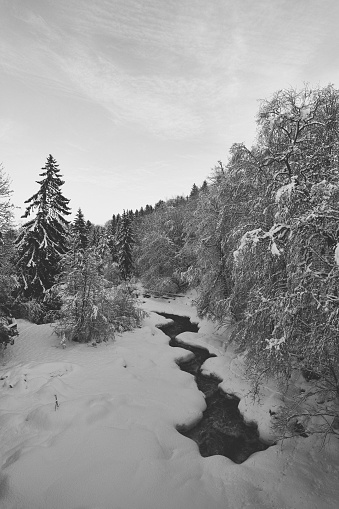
{"x":112,"y":441}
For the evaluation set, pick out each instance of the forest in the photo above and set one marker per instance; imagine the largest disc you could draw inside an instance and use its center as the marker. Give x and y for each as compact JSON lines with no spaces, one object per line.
{"x":258,"y":241}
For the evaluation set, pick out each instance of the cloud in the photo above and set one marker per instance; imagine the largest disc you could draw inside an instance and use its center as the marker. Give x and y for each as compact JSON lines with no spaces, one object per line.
{"x":7,"y":129}
{"x":177,"y":70}
{"x":110,"y":178}
{"x":147,"y":63}
{"x":163,"y":106}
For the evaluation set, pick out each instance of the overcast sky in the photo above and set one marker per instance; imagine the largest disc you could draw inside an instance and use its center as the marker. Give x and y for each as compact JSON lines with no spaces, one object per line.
{"x":139,"y":99}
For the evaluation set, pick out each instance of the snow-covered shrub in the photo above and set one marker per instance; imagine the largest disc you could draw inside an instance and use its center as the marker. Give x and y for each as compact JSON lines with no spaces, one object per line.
{"x":32,"y":310}
{"x":92,"y":308}
{"x":123,"y":312}
{"x":84,"y":298}
{"x":5,"y":337}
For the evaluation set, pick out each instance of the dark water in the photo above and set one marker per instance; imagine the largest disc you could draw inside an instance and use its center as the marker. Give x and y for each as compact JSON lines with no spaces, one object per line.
{"x":222,"y":429}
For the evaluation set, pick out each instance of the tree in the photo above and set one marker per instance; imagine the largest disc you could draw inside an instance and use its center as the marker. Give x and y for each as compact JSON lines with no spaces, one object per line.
{"x":205,"y":246}
{"x":148,"y":209}
{"x":160,"y":238}
{"x":80,"y":230}
{"x":286,"y":277}
{"x":204,"y":186}
{"x":96,"y":235}
{"x":86,"y":300}
{"x":8,"y":277}
{"x":194,"y":191}
{"x":43,"y":240}
{"x":93,"y":309}
{"x":125,"y":241}
{"x":8,"y":280}
{"x":6,"y":208}
{"x":112,"y":228}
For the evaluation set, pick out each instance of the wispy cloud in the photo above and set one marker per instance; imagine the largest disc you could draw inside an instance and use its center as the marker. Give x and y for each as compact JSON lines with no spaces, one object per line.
{"x":111,"y":178}
{"x":164,"y":106}
{"x":7,"y":128}
{"x":146,"y":63}
{"x":174,"y":69}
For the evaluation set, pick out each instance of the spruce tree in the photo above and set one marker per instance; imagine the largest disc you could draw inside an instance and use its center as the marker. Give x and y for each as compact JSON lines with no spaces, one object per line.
{"x":114,"y":224}
{"x":194,"y":191}
{"x":80,"y":230}
{"x":204,"y":187}
{"x":125,"y":242}
{"x":111,"y":234}
{"x":42,"y":240}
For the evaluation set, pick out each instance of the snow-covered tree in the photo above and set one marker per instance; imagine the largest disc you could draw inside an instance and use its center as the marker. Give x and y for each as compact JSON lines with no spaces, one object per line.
{"x":8,"y":277}
{"x":125,"y":241}
{"x":79,"y":230}
{"x":204,"y":247}
{"x":6,"y":208}
{"x":112,"y":228}
{"x":86,"y":300}
{"x":8,"y":280}
{"x":194,"y":191}
{"x":286,"y":279}
{"x":93,"y":309}
{"x":43,"y":239}
{"x":160,"y":238}
{"x":204,"y":186}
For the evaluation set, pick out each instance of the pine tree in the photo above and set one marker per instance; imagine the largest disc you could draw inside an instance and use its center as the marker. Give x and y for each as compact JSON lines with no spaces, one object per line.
{"x":204,"y":187}
{"x":114,"y":225}
{"x":42,"y":240}
{"x":125,"y":242}
{"x":148,"y":209}
{"x":111,"y":234}
{"x":159,"y":204}
{"x":80,"y":230}
{"x":194,"y":191}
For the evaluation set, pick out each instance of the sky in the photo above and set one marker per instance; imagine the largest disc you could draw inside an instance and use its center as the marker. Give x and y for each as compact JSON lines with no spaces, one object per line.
{"x":139,"y":99}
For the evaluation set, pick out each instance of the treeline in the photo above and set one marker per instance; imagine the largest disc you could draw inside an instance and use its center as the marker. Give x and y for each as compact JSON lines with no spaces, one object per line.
{"x":259,"y":241}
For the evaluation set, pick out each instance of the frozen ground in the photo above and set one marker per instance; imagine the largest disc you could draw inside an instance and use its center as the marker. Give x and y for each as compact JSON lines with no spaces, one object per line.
{"x":112,"y":442}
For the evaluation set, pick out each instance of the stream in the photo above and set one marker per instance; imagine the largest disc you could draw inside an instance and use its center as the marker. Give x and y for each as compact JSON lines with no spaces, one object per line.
{"x":222,"y":429}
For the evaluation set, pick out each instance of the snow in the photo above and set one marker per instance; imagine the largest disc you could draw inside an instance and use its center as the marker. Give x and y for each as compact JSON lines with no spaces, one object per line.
{"x":250,"y":237}
{"x":305,"y":112}
{"x":274,"y":249}
{"x":285,"y":190}
{"x":336,"y":254}
{"x":112,"y":443}
{"x":274,"y":343}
